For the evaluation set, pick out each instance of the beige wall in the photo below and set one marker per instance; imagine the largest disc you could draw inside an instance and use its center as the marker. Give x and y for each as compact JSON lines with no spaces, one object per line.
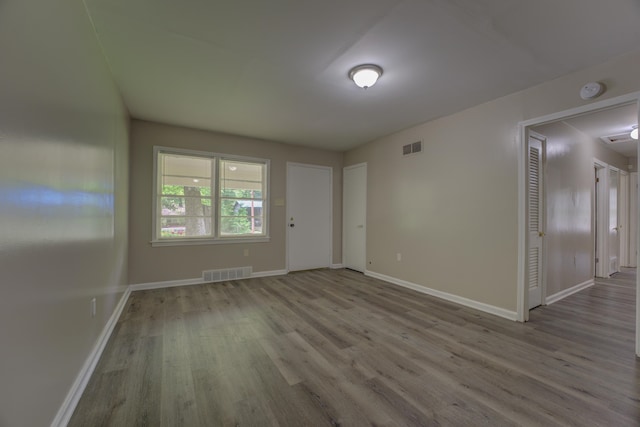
{"x":452,"y":210}
{"x":569,"y":176}
{"x":63,"y":203}
{"x":154,"y":264}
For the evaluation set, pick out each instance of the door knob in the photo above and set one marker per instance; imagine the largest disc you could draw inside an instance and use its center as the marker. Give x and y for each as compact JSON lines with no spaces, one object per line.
{"x":540,"y":234}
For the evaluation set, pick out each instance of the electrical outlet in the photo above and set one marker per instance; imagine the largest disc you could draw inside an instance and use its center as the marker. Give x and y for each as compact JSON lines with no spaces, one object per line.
{"x":399,"y":256}
{"x":93,"y":307}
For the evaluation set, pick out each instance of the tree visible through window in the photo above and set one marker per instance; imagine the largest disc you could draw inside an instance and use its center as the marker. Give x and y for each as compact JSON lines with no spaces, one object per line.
{"x":187,"y":198}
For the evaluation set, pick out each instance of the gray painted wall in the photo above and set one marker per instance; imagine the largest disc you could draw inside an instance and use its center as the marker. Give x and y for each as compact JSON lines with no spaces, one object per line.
{"x":63,"y":203}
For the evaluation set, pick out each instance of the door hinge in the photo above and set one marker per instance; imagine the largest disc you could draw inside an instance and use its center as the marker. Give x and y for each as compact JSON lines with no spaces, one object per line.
{"x":597,"y":260}
{"x":597,"y":179}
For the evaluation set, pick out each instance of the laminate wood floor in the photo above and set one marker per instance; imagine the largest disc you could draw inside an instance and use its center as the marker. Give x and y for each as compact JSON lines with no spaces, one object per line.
{"x":336,"y":348}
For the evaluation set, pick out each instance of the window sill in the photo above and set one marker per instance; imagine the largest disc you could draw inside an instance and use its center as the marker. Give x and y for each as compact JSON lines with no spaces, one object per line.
{"x":219,"y":241}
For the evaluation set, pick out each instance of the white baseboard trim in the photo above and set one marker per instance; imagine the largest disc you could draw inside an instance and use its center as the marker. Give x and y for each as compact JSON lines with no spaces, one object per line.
{"x":165,"y":284}
{"x":487,"y":308}
{"x":336,"y":266}
{"x":197,"y":281}
{"x":269,"y":273}
{"x":570,"y":291}
{"x":75,"y":393}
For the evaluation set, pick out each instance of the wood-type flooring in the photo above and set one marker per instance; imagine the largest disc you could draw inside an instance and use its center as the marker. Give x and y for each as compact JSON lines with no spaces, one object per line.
{"x":337,"y":348}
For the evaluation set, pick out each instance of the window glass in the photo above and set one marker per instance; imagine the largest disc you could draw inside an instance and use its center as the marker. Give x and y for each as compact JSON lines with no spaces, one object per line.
{"x":186,"y":199}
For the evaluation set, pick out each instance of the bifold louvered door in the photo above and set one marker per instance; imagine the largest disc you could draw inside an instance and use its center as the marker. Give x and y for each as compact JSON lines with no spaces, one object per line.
{"x":536,"y":221}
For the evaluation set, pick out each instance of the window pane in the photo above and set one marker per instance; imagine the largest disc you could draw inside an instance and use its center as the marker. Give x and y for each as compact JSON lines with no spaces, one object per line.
{"x":241,"y":216}
{"x":242,"y":190}
{"x":180,"y":227}
{"x":241,"y":179}
{"x":185,"y":206}
{"x":240,"y":225}
{"x":179,"y":165}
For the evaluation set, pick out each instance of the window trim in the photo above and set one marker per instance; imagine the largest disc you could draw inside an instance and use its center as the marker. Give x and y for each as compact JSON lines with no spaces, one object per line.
{"x":216,"y":238}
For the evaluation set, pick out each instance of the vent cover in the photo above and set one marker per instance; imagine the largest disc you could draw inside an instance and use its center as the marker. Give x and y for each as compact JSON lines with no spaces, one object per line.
{"x":226,"y":274}
{"x":617,"y":139}
{"x":413,"y":148}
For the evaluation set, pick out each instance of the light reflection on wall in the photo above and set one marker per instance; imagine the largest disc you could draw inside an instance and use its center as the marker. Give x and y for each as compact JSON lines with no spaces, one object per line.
{"x":55,"y":192}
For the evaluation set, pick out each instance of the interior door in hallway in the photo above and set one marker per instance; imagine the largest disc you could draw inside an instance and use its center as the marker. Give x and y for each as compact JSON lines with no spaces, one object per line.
{"x":309,"y":216}
{"x":354,"y":217}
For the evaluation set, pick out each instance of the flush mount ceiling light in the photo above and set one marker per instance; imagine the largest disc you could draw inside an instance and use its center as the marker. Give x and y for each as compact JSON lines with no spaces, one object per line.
{"x":366,"y":75}
{"x":634,"y":133}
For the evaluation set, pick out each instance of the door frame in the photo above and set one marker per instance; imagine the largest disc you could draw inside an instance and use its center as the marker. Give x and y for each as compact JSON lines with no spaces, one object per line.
{"x":542,"y":203}
{"x":623,"y":217}
{"x":344,"y":207}
{"x":521,"y":140}
{"x":287,"y":212}
{"x":633,"y":219}
{"x":601,"y":219}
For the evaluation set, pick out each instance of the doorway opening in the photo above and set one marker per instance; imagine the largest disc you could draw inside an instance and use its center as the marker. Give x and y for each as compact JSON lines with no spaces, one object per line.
{"x":572,"y":206}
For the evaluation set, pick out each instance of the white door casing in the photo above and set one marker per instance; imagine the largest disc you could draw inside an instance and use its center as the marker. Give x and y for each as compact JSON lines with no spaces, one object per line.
{"x":623,"y":218}
{"x":354,"y":227}
{"x":633,"y":219}
{"x":601,"y":218}
{"x":535,"y":258}
{"x":613,"y":234}
{"x":309,"y":216}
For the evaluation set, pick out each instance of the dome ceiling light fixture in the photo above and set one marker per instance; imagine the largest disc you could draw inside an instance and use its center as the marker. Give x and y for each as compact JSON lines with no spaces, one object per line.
{"x":634,"y":132}
{"x":365,"y":75}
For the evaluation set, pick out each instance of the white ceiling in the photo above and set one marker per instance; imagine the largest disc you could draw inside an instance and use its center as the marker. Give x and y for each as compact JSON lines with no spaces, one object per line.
{"x":277,"y":69}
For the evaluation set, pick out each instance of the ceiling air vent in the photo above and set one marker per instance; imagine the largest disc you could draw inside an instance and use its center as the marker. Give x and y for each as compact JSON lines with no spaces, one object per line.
{"x":617,"y":139}
{"x":412,"y":148}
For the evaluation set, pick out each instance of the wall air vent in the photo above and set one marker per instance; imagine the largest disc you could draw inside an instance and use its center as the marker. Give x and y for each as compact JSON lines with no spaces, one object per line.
{"x":617,"y":139}
{"x":226,"y":274}
{"x":413,"y":148}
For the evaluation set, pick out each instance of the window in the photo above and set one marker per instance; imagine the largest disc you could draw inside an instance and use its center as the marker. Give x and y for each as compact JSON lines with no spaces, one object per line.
{"x":208,"y":198}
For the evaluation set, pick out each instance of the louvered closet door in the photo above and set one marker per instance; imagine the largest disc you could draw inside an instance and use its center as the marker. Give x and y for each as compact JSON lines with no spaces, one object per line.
{"x":536,"y":221}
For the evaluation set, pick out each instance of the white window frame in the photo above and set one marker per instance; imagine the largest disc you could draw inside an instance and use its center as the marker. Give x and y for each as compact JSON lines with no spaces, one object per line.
{"x":216,"y":238}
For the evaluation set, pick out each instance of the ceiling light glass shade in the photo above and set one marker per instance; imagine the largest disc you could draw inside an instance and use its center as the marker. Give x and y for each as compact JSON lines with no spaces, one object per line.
{"x":365,"y":76}
{"x":634,"y":133}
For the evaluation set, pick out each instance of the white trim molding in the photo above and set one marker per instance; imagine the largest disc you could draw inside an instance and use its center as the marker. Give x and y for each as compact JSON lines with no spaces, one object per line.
{"x":165,"y":284}
{"x":269,"y":273}
{"x":336,"y":266}
{"x":491,"y":309}
{"x":75,"y":393}
{"x":570,"y":291}
{"x":198,"y":281}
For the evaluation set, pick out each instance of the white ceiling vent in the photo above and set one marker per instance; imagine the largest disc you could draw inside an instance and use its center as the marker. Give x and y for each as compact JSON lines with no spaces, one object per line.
{"x":413,"y":148}
{"x":617,"y":139}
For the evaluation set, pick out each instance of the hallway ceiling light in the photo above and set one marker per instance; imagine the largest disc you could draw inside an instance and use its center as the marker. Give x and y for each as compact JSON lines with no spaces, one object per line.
{"x":366,"y":75}
{"x":634,"y":133}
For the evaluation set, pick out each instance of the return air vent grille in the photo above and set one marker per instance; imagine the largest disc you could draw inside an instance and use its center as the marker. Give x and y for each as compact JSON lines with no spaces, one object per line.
{"x":617,"y":139}
{"x":226,"y":274}
{"x":412,"y":148}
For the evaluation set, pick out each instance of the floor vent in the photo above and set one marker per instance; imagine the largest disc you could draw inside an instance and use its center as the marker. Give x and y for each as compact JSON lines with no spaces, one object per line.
{"x":412,"y":148}
{"x":226,"y":274}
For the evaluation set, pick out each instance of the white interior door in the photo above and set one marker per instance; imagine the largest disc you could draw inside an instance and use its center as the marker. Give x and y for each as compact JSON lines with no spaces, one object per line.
{"x":613,"y":234}
{"x":309,"y":216}
{"x":354,"y":215}
{"x":536,"y":220}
